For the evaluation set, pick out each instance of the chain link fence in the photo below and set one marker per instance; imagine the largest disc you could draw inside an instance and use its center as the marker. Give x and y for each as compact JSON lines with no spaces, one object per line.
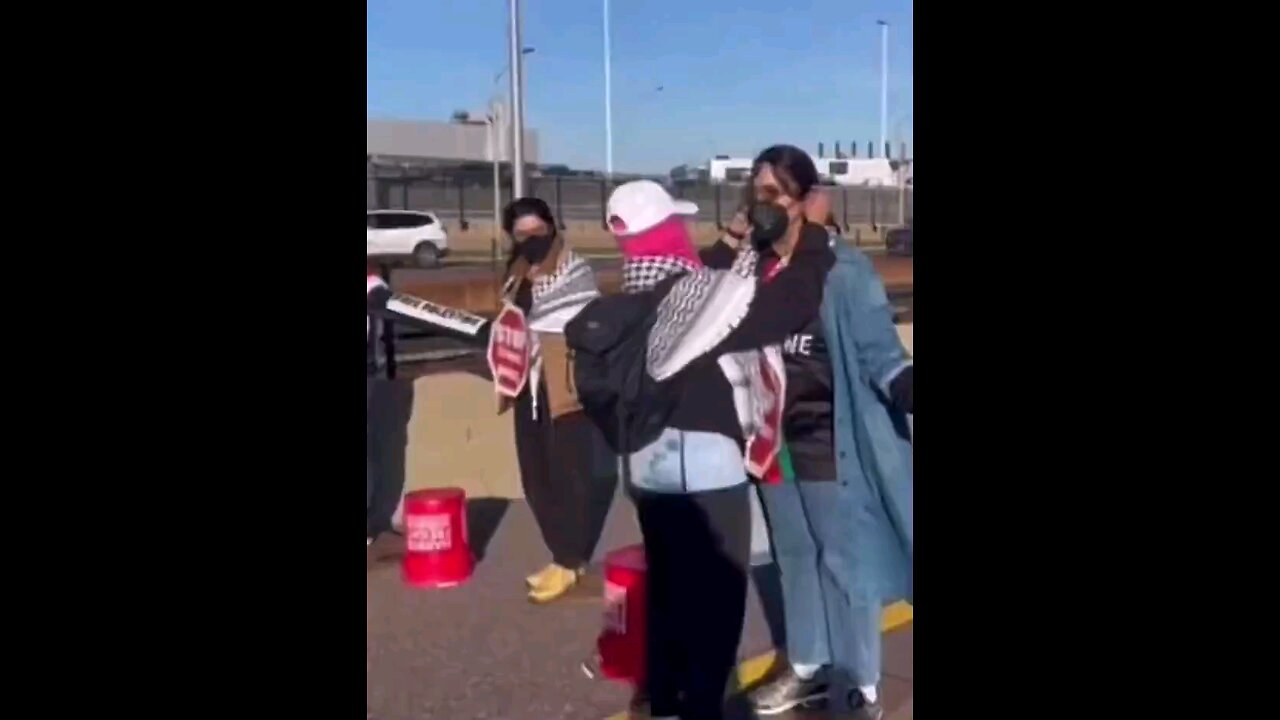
{"x":464,"y":197}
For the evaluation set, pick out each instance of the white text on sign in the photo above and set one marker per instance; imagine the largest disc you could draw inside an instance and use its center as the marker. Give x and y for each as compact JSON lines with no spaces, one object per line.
{"x":428,"y":533}
{"x":509,"y":337}
{"x":615,"y":608}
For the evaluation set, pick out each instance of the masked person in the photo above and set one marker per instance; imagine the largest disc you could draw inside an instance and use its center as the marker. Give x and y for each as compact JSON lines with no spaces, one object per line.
{"x":388,"y":406}
{"x":841,"y":531}
{"x":565,"y":469}
{"x":682,"y":418}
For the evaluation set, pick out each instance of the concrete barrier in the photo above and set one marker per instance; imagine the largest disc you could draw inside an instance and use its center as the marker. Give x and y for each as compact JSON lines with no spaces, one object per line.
{"x":590,"y":237}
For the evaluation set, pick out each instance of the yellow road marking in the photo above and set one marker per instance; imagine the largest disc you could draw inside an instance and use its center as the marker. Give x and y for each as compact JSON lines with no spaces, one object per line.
{"x":751,"y":670}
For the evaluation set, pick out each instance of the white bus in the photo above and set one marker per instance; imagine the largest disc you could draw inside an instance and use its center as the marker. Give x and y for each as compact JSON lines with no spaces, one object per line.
{"x":874,"y":172}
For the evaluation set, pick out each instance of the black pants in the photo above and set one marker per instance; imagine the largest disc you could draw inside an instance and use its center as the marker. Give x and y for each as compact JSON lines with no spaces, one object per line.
{"x":568,"y":476}
{"x":388,"y":405}
{"x":698,"y":550}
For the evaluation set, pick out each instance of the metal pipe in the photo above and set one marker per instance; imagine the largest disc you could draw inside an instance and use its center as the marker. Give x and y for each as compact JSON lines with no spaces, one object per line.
{"x":884,"y":85}
{"x":517,"y":101}
{"x":608,"y":99}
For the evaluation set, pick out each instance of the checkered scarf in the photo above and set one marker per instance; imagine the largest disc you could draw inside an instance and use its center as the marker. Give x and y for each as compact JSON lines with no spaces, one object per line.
{"x":559,"y":295}
{"x":699,"y":312}
{"x":643,"y":273}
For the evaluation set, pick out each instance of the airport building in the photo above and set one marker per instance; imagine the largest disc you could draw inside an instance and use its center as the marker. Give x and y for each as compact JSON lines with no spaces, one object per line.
{"x":401,"y":154}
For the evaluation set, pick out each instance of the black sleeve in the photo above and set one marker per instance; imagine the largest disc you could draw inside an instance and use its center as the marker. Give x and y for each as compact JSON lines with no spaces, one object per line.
{"x":376,"y":299}
{"x":901,"y":390}
{"x":719,"y":255}
{"x":781,"y":307}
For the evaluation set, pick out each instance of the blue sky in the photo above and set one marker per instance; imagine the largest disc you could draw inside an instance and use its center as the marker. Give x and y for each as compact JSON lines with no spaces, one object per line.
{"x":736,"y":75}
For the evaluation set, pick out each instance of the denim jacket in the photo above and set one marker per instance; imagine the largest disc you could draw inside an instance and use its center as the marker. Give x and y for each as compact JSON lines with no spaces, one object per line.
{"x":872,"y":440}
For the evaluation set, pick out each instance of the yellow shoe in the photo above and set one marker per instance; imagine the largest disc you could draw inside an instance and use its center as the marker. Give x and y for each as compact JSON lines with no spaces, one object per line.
{"x":554,"y":585}
{"x":539,"y":577}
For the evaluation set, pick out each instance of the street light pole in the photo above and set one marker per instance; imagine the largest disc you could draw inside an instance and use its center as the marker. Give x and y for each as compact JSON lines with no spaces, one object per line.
{"x":608,"y":99}
{"x":517,"y":102}
{"x":884,"y":84}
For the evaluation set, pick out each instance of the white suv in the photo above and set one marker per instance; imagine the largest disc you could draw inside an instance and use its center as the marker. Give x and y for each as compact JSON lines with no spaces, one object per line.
{"x":406,"y":232}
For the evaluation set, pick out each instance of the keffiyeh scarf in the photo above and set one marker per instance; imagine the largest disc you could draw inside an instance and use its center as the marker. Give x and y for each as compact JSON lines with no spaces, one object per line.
{"x":643,"y":273}
{"x":699,"y":312}
{"x":559,"y":296}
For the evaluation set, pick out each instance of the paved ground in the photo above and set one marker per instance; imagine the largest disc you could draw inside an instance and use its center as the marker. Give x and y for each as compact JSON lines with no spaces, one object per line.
{"x":482,"y":651}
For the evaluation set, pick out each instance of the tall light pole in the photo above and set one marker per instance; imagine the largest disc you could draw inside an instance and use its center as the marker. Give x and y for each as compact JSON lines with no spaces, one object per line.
{"x":884,"y":83}
{"x":608,"y":100}
{"x":517,"y":101}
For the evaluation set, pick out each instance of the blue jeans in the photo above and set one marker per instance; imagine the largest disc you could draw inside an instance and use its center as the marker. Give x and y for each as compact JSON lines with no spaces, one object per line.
{"x":687,"y":461}
{"x":812,"y":542}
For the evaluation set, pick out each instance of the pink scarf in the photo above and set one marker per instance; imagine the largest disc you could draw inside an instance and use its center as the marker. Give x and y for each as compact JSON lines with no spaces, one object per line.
{"x":669,"y":238}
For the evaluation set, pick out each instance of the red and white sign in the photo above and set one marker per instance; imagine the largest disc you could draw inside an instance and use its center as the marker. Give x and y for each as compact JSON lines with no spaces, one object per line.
{"x":615,"y":608}
{"x":762,"y":448}
{"x":509,"y":351}
{"x":428,"y":533}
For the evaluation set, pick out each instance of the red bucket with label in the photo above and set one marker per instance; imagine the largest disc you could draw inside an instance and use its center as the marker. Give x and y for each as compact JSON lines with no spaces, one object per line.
{"x":621,"y":645}
{"x":436,"y":554}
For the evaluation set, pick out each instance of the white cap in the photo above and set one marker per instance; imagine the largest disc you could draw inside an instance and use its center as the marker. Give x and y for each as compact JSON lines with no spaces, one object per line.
{"x":639,"y":205}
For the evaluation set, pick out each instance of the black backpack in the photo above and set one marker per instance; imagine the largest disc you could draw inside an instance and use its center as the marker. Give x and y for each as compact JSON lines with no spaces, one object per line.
{"x":609,"y":338}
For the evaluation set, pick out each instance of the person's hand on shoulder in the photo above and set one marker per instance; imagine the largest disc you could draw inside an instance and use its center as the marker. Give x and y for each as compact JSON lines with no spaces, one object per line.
{"x":817,"y":206}
{"x":738,"y":228}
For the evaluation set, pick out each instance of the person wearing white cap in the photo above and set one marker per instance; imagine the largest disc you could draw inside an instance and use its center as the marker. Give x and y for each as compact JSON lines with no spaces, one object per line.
{"x":682,"y":420}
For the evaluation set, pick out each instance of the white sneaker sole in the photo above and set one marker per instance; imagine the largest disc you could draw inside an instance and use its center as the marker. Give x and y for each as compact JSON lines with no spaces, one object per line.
{"x":791,"y":705}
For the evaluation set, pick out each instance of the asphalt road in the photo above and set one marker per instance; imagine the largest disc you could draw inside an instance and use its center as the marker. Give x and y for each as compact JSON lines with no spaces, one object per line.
{"x":482,"y":651}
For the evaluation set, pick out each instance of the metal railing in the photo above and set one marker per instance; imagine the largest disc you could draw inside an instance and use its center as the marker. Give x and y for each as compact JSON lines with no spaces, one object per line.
{"x":466,"y":197}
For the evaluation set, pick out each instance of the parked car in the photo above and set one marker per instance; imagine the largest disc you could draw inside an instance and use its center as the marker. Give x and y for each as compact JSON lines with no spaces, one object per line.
{"x":898,"y":241}
{"x":406,"y":233}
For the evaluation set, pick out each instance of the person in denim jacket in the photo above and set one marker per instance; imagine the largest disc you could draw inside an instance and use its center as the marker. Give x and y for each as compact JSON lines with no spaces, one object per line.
{"x":841,"y":531}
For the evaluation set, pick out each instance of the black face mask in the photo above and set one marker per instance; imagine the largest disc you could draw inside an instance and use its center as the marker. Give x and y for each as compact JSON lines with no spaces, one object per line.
{"x":535,"y":247}
{"x":768,"y":223}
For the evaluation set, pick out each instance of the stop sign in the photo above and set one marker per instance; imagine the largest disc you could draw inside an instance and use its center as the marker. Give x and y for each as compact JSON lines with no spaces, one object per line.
{"x":509,"y":351}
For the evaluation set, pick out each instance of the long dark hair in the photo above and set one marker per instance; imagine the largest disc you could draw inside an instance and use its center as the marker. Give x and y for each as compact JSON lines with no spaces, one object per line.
{"x":792,"y":166}
{"x":522,"y":206}
{"x":517,"y":209}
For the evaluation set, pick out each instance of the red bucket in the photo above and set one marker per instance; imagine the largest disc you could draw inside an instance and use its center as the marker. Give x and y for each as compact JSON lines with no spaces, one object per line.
{"x":621,"y":645}
{"x":437,"y":554}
